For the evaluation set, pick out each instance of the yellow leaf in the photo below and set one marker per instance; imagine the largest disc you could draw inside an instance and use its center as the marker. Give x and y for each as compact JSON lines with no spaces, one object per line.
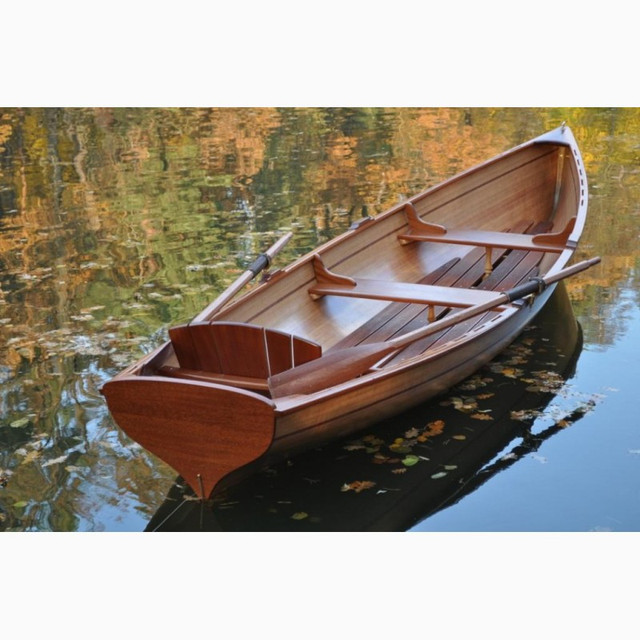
{"x":300,"y":515}
{"x":459,"y":437}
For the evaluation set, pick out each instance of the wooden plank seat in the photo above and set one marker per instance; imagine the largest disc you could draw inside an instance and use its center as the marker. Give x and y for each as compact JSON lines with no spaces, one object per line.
{"x":235,"y":353}
{"x":333,"y":284}
{"x":421,"y":231}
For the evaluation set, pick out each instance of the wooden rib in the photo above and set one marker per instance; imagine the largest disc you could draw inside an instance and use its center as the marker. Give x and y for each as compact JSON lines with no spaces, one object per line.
{"x":560,"y":239}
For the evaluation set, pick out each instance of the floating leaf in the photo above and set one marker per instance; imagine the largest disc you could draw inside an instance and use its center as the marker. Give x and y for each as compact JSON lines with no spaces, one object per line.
{"x":459,"y":437}
{"x":481,"y":416}
{"x":399,"y":448}
{"x":434,"y":428}
{"x":300,"y":515}
{"x":440,"y":474}
{"x":412,"y":433}
{"x":399,"y":471}
{"x":450,"y":467}
{"x":409,"y":461}
{"x":485,"y":396}
{"x":18,"y":424}
{"x":358,"y":486}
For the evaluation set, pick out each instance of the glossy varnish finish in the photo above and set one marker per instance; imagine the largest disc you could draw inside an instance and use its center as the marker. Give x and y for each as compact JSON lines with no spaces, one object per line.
{"x":201,"y":402}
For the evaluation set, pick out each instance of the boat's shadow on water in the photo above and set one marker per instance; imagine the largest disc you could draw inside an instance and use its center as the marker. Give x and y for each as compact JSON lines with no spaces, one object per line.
{"x":397,"y":473}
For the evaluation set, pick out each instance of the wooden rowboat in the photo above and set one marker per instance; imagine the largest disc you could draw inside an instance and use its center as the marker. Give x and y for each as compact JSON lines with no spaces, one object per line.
{"x":394,"y":311}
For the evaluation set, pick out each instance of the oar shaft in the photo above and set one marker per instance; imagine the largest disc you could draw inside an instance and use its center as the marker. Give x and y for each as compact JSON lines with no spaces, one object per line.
{"x":260,"y":263}
{"x":516,"y":293}
{"x":346,"y":364}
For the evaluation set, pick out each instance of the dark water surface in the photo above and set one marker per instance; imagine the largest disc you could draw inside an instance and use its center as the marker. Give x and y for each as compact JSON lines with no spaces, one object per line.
{"x":118,"y":223}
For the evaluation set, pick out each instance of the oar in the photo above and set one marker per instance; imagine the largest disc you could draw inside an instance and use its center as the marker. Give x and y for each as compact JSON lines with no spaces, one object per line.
{"x":260,"y":263}
{"x":346,"y":364}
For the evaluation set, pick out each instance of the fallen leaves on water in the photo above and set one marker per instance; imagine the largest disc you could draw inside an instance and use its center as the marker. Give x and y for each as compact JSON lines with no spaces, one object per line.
{"x":475,"y":382}
{"x":410,"y":460}
{"x":464,"y":404}
{"x":546,"y":382}
{"x":440,"y":474}
{"x":399,"y":470}
{"x":459,"y":437}
{"x":358,"y":486}
{"x":299,"y":515}
{"x":481,"y":416}
{"x":434,"y":428}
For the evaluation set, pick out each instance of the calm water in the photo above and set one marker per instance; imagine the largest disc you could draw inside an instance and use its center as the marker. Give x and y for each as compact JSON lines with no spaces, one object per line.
{"x":117,"y":223}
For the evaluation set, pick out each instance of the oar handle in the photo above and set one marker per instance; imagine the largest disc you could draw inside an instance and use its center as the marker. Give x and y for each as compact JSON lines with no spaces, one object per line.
{"x":260,"y":263}
{"x":538,"y":285}
{"x":263,"y":261}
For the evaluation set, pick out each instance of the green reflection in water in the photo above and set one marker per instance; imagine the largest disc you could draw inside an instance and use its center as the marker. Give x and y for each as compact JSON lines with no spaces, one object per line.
{"x":117,"y":223}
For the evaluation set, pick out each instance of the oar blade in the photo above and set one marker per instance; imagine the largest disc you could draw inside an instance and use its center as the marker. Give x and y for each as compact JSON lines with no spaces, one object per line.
{"x":328,"y":371}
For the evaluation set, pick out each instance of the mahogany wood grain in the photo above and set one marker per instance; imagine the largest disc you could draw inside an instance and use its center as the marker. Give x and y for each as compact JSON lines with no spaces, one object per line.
{"x":237,"y":349}
{"x":204,"y":431}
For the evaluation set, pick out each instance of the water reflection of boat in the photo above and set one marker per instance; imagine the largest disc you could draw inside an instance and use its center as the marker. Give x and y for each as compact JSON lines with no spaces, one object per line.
{"x":402,"y":471}
{"x":240,"y":384}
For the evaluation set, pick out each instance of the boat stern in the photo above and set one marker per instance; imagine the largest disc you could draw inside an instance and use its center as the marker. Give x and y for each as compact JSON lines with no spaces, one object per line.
{"x":204,"y":431}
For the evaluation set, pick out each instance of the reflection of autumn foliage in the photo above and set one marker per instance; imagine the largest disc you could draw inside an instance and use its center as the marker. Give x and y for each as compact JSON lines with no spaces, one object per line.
{"x":233,"y":141}
{"x":139,"y":193}
{"x":115,"y":223}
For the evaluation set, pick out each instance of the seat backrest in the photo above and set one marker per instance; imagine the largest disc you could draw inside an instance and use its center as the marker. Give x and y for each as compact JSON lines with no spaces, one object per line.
{"x":239,"y":349}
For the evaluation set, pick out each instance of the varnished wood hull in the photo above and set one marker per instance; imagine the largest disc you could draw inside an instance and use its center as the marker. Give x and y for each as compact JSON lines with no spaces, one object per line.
{"x":207,"y":430}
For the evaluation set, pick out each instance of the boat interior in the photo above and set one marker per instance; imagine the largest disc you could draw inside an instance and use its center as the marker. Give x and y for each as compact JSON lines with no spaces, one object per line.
{"x":418,"y":263}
